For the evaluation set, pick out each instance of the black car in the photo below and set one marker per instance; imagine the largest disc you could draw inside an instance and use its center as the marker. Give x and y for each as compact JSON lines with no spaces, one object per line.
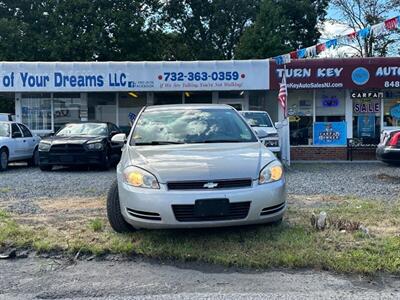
{"x":81,"y":144}
{"x":388,"y":150}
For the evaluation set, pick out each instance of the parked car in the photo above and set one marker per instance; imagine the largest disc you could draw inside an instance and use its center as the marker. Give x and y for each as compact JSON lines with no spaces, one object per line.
{"x":262,"y":124}
{"x":81,"y":144}
{"x":388,"y":150}
{"x":17,"y":143}
{"x":186,"y":166}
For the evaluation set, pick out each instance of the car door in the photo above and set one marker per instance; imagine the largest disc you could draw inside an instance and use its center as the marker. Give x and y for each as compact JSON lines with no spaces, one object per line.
{"x":19,"y":143}
{"x":30,"y":140}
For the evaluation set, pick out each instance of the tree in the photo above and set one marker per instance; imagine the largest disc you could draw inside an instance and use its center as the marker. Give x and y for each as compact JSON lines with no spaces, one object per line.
{"x":199,"y":29}
{"x":79,"y":30}
{"x":360,"y":14}
{"x":282,"y":26}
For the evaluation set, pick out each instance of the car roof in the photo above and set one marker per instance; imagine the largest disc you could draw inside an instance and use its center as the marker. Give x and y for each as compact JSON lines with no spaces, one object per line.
{"x":254,"y":111}
{"x":188,"y":106}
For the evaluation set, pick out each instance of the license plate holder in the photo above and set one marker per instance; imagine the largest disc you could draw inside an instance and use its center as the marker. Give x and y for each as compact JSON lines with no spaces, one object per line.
{"x":211,"y":207}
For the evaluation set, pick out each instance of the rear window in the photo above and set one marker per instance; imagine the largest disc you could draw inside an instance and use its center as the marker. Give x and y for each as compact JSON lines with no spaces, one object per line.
{"x":257,"y":119}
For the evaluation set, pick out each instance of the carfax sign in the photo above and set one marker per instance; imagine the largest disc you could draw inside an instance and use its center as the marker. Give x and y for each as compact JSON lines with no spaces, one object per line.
{"x":134,"y":76}
{"x":330,"y":134}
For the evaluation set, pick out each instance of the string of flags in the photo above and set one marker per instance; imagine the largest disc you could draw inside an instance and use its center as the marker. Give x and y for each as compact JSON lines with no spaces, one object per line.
{"x":377,"y":30}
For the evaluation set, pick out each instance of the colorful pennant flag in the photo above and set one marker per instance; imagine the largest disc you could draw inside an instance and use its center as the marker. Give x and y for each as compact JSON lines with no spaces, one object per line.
{"x":375,"y":30}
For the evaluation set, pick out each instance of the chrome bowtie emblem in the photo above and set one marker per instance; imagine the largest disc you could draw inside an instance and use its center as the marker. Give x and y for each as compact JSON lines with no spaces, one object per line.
{"x":210,"y":185}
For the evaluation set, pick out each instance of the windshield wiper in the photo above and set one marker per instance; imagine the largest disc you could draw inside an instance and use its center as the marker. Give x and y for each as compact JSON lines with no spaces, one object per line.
{"x":222,"y":141}
{"x":158,"y":143}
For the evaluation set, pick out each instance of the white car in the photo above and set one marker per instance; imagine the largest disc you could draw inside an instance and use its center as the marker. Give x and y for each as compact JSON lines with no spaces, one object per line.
{"x":194,"y":166}
{"x":261,"y":123}
{"x":17,"y":143}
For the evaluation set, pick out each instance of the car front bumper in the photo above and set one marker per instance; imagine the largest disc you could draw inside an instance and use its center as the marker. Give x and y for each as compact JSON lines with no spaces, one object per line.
{"x":156,"y":209}
{"x":70,"y":159}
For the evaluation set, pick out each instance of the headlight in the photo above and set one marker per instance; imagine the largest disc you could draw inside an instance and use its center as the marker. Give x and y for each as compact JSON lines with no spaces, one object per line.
{"x":95,"y":146}
{"x":140,"y":178}
{"x":44,"y":147}
{"x":270,"y":173}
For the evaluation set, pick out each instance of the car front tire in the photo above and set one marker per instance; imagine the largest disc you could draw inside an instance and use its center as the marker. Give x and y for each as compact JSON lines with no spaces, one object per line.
{"x":114,"y":214}
{"x":34,"y":161}
{"x":3,"y":159}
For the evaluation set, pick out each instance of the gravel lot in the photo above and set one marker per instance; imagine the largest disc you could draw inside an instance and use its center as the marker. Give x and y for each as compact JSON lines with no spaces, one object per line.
{"x":21,"y":187}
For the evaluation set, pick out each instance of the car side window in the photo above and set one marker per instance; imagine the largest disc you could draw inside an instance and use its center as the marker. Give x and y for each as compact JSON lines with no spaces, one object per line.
{"x":25,"y":130}
{"x":113,"y":127}
{"x":15,"y":130}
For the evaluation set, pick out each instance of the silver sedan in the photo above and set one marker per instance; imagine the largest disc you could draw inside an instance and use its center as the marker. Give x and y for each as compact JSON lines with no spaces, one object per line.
{"x":187,"y":166}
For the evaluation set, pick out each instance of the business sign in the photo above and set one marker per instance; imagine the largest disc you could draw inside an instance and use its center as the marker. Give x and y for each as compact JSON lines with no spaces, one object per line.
{"x":348,"y":73}
{"x":330,"y":134}
{"x":364,"y":95}
{"x":366,"y":126}
{"x":366,"y":106}
{"x":134,"y":76}
{"x":330,"y":101}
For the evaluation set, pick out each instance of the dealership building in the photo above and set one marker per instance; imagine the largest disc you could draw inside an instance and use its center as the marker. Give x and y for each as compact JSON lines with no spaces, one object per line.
{"x":329,"y":100}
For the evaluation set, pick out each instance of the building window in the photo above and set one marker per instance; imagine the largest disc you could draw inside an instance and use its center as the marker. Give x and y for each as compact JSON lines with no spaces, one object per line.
{"x":66,"y":109}
{"x":167,"y":98}
{"x":102,"y":107}
{"x":198,"y":97}
{"x":256,"y":100}
{"x":129,"y":106}
{"x":300,"y":111}
{"x":367,"y":119}
{"x":330,"y":106}
{"x":36,"y":111}
{"x":391,"y":109}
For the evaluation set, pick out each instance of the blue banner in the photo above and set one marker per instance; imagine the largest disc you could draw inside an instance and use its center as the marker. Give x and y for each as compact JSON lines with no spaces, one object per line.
{"x":330,"y":133}
{"x":366,"y":126}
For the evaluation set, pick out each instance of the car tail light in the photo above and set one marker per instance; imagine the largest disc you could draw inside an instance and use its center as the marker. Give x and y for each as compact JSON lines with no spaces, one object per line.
{"x":394,"y":140}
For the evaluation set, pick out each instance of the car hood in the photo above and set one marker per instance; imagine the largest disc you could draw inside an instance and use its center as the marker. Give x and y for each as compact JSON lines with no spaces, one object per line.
{"x":55,"y":140}
{"x":3,"y":138}
{"x":201,"y":161}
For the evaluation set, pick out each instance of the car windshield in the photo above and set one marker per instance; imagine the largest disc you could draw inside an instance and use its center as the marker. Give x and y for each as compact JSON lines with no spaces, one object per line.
{"x":191,"y":126}
{"x":257,"y":119}
{"x":4,"y":130}
{"x":83,"y":129}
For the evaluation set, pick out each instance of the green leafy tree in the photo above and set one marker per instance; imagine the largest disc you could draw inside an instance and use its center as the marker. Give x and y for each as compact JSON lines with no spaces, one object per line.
{"x":199,"y":29}
{"x":282,"y":26}
{"x":79,"y":30}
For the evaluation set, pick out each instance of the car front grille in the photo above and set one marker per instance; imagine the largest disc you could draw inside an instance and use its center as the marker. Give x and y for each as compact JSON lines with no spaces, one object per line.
{"x":272,"y":209}
{"x":209,"y":185}
{"x":237,"y":211}
{"x":144,"y":214}
{"x":67,"y":148}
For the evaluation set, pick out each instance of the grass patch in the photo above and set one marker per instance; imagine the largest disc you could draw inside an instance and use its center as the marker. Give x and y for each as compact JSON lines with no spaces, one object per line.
{"x":96,"y":225}
{"x":294,"y":244}
{"x":5,"y":190}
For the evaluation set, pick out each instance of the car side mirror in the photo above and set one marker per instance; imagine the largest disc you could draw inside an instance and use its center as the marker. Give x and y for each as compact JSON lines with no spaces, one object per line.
{"x":278,"y":125}
{"x":119,"y":138}
{"x":16,"y":135}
